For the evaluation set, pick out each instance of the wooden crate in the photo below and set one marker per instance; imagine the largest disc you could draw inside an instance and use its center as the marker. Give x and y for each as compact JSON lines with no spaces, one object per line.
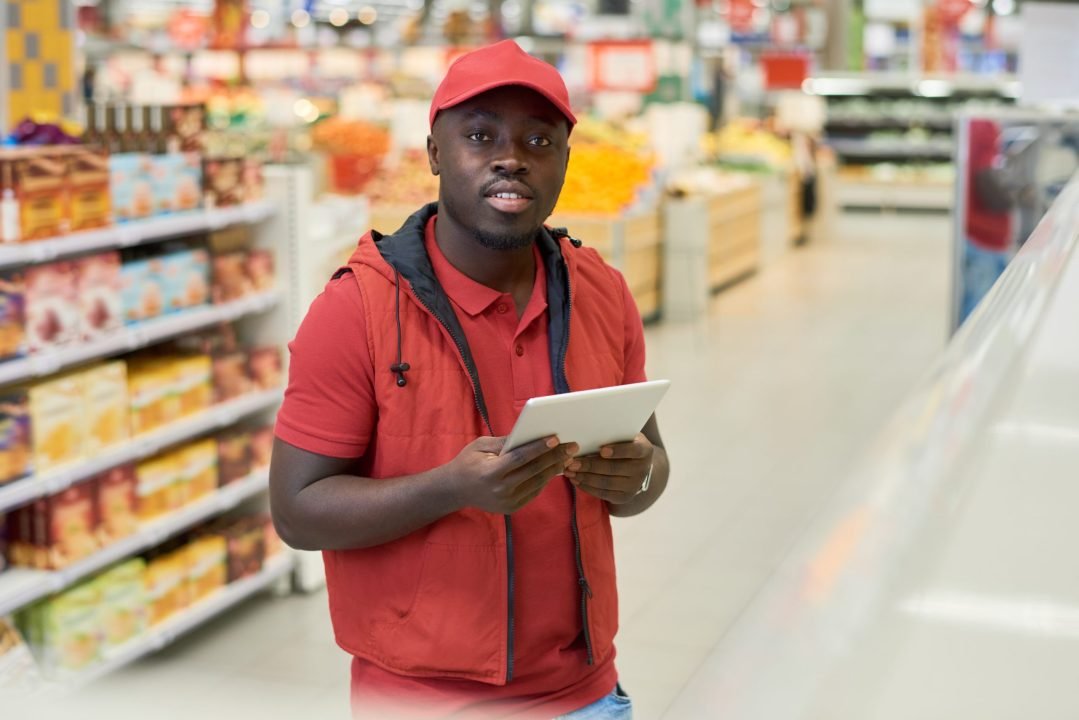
{"x":630,"y":243}
{"x":734,"y":228}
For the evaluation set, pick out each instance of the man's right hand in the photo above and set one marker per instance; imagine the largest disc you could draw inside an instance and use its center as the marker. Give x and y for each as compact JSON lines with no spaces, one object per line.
{"x":504,"y":484}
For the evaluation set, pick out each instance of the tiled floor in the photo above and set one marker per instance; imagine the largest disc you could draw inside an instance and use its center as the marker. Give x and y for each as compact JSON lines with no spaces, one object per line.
{"x":774,"y":394}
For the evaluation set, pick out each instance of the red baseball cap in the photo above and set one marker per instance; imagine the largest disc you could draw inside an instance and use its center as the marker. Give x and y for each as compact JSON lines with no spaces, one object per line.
{"x":495,"y":66}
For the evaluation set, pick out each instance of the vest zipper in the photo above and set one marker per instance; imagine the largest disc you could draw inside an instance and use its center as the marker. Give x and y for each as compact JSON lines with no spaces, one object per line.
{"x":582,"y":580}
{"x":474,"y":378}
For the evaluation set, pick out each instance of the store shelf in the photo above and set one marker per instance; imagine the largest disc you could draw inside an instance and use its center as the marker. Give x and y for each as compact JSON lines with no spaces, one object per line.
{"x":133,"y":337}
{"x":838,"y":121}
{"x":899,"y":149}
{"x":20,"y":587}
{"x":167,"y":632}
{"x":138,"y":232}
{"x":895,"y":194}
{"x":143,"y":446}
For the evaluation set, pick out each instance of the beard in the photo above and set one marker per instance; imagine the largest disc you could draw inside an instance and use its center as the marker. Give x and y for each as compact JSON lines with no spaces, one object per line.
{"x":504,"y":241}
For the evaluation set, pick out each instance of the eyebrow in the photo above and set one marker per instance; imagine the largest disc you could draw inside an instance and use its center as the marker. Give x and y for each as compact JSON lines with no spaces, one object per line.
{"x":495,"y":117}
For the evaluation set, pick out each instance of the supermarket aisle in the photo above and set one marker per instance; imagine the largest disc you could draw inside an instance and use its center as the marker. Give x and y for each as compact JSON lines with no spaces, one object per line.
{"x":773,"y":395}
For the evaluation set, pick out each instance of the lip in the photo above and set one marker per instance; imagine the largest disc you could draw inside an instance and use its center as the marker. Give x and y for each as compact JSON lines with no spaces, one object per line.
{"x":508,"y":205}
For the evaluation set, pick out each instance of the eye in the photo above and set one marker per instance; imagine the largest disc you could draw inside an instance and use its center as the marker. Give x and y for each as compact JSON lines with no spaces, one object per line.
{"x":540,"y":141}
{"x":478,"y":136}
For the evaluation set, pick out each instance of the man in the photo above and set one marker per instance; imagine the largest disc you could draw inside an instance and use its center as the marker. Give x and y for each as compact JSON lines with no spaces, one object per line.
{"x":465,"y":582}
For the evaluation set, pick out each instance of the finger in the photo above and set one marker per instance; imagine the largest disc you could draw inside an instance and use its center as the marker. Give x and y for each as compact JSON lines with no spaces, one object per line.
{"x":521,"y":456}
{"x":536,"y":483}
{"x":552,"y":460}
{"x":607,"y":482}
{"x":614,"y":468}
{"x":618,"y":497}
{"x":639,"y":449}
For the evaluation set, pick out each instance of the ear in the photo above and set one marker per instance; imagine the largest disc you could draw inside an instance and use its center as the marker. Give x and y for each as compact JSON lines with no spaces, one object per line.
{"x":432,"y":154}
{"x":568,"y":151}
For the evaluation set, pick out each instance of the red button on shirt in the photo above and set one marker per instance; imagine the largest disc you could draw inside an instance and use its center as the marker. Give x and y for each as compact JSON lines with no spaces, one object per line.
{"x":330,"y":409}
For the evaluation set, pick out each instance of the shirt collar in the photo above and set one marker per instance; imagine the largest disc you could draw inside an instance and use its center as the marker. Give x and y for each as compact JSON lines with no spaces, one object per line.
{"x":474,"y":297}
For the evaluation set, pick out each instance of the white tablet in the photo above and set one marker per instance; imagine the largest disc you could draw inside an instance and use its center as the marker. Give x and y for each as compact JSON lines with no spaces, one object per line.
{"x":590,"y":418}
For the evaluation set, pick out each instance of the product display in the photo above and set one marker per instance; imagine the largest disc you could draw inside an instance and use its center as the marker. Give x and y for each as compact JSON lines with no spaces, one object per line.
{"x":52,"y":305}
{"x":12,"y":315}
{"x":16,"y":447}
{"x":100,"y":284}
{"x":57,"y":530}
{"x":18,"y":671}
{"x":117,"y":503}
{"x":56,"y":417}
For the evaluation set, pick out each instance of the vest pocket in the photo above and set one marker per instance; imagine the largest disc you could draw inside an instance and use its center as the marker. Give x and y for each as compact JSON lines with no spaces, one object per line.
{"x":597,"y":556}
{"x":455,"y":624}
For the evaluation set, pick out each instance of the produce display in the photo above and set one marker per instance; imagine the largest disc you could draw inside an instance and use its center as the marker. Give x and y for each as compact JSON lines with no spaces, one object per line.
{"x":355,"y":149}
{"x":408,"y":182}
{"x":744,"y":143}
{"x":608,"y":169}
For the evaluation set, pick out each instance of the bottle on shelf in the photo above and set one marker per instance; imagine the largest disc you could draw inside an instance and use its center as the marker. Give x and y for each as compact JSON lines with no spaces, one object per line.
{"x":9,"y":207}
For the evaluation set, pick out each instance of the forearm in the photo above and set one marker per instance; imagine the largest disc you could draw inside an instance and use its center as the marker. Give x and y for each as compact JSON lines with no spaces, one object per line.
{"x":660,"y":472}
{"x":346,"y":511}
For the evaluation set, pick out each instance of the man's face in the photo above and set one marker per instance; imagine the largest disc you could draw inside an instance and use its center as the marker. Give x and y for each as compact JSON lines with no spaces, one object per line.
{"x":501,"y":159}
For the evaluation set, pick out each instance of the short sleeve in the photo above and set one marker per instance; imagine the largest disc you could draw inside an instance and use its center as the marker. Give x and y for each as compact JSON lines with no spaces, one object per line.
{"x":634,"y":355}
{"x":329,"y":406}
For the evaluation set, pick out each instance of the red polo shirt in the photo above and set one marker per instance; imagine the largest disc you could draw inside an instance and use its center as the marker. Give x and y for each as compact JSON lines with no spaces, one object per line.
{"x":329,"y":409}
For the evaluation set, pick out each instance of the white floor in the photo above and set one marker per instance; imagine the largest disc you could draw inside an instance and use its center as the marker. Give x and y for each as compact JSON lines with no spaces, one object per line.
{"x":774,"y":395}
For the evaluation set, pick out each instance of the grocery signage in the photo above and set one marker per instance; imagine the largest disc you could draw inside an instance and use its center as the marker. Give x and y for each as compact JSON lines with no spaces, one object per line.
{"x":626,"y":65}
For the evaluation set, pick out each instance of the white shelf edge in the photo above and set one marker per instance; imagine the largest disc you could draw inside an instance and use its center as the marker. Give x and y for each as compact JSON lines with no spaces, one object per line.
{"x":133,"y":337}
{"x":138,"y":232}
{"x":137,"y":448}
{"x":32,"y":585}
{"x":168,"y":631}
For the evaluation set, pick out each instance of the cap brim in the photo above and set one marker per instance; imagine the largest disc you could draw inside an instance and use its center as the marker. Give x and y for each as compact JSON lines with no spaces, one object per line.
{"x":504,"y":82}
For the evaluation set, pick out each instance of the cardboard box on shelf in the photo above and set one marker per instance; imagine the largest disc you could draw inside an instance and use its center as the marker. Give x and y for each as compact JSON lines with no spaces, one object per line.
{"x":199,"y":467}
{"x":16,"y":449}
{"x":117,"y":503}
{"x":56,"y":416}
{"x":259,"y":266}
{"x":185,"y":128}
{"x":230,"y":278}
{"x":223,"y":182}
{"x":231,"y":376}
{"x":176,"y":182}
{"x":195,"y":388}
{"x":100,"y":294}
{"x":13,"y":341}
{"x":261,"y":447}
{"x":52,"y":305}
{"x":166,"y":585}
{"x":122,"y":592}
{"x":89,"y":201}
{"x":58,"y":530}
{"x":107,"y":406}
{"x":64,"y":631}
{"x":131,"y":186}
{"x":234,"y":455}
{"x":207,"y":566}
{"x":159,"y":487}
{"x":186,"y":279}
{"x":264,"y":365}
{"x":34,"y":187}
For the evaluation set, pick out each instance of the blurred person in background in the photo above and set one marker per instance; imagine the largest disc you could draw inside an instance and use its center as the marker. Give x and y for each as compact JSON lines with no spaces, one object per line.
{"x":464,"y":581}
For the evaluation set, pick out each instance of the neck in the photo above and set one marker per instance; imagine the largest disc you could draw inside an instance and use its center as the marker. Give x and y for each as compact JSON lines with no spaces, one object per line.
{"x":508,"y":271}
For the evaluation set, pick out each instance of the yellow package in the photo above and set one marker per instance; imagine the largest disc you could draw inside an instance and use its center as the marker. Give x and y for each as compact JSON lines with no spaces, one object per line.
{"x":208,"y":568}
{"x":166,"y":586}
{"x":199,"y":460}
{"x":195,"y":384}
{"x":57,"y":421}
{"x":106,"y":406}
{"x":145,"y":395}
{"x":70,"y":631}
{"x":168,"y":375}
{"x":158,"y":491}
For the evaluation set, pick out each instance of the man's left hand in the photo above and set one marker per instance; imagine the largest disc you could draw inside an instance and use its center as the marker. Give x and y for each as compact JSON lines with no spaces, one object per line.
{"x":617,"y":474}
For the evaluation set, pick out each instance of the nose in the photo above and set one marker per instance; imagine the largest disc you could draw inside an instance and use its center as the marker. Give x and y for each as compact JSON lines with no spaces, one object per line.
{"x":510,"y":159}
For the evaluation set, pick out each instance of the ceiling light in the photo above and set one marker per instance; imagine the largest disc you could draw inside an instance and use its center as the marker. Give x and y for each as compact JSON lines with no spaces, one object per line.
{"x":367,"y":15}
{"x":301,"y":18}
{"x":339,"y":17}
{"x":260,"y":19}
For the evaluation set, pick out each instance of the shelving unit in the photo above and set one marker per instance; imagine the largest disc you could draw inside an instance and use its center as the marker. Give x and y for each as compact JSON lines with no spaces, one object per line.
{"x":138,"y":448}
{"x":134,"y":337}
{"x":261,"y":320}
{"x":20,"y":587}
{"x":139,"y":232}
{"x":167,"y":632}
{"x":889,"y":120}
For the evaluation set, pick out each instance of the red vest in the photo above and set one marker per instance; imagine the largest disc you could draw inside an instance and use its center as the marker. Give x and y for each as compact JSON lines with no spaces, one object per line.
{"x":438,"y":602}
